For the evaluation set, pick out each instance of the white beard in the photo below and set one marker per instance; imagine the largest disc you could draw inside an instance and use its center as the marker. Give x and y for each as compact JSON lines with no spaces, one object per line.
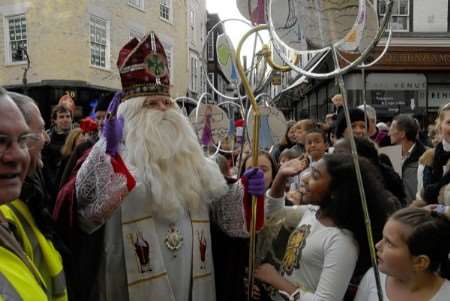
{"x":162,"y":150}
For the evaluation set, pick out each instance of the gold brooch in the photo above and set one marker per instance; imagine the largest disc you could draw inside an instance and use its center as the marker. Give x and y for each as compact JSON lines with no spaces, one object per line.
{"x":174,"y":239}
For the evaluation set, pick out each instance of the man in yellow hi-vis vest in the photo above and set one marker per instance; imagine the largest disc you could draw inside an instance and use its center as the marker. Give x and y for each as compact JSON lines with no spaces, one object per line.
{"x":19,"y":278}
{"x":38,"y":248}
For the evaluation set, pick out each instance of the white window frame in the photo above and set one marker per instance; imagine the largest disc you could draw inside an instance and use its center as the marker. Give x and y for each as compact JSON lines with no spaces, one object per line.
{"x":168,"y":48}
{"x":168,"y":5}
{"x":203,"y":82}
{"x":140,"y":5}
{"x":7,"y":41}
{"x":107,"y":45}
{"x":397,"y":14}
{"x":194,"y":64}
{"x":7,"y":11}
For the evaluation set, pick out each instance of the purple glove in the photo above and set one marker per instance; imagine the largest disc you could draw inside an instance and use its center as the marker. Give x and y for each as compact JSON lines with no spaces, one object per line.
{"x":113,"y":127}
{"x":255,"y":180}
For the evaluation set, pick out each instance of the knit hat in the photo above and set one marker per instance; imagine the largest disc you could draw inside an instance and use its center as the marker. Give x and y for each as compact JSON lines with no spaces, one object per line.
{"x":143,"y":68}
{"x":341,"y":124}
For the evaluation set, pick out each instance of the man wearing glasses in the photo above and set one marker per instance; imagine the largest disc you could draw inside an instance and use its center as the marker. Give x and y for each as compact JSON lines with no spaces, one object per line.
{"x":15,"y":138}
{"x":19,"y":278}
{"x":29,"y":215}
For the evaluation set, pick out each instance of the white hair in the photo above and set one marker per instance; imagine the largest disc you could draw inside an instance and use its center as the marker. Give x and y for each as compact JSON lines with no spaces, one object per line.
{"x":162,"y":149}
{"x":370,"y":111}
{"x":382,"y":126}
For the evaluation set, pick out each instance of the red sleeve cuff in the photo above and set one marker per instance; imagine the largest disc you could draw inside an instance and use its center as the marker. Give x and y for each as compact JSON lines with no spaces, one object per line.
{"x":120,"y":167}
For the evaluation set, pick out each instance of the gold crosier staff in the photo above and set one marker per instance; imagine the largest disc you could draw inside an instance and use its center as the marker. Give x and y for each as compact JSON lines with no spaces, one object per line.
{"x":255,"y":143}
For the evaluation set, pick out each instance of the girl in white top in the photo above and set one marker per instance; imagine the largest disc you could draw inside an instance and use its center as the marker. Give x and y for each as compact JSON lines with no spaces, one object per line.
{"x":322,"y":251}
{"x":412,"y":259}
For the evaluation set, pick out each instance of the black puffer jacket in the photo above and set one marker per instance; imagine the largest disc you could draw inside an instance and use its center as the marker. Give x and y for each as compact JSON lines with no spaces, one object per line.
{"x":433,"y":174}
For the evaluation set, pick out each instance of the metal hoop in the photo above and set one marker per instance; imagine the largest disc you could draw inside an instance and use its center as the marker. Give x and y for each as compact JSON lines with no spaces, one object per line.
{"x":374,"y":62}
{"x":200,"y":100}
{"x":337,"y":71}
{"x":204,"y":57}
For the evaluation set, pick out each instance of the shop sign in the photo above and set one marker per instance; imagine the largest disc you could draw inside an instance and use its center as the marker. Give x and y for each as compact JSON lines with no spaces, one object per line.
{"x":438,"y":95}
{"x":396,"y":82}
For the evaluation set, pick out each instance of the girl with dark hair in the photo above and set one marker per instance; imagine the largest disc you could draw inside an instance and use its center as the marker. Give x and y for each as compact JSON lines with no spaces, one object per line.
{"x":329,"y":240}
{"x":231,"y":253}
{"x":390,"y":179}
{"x":266,"y":163}
{"x":287,"y":142}
{"x":412,"y":258}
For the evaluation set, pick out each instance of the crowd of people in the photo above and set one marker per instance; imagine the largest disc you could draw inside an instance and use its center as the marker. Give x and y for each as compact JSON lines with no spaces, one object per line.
{"x":126,"y":205}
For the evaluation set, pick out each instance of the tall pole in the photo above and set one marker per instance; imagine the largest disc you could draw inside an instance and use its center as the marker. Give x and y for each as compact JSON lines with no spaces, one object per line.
{"x":373,"y":256}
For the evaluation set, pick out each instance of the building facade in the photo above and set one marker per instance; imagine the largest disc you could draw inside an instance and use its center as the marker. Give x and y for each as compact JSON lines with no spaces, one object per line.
{"x":215,"y":74}
{"x":196,"y":26}
{"x":413,"y":77}
{"x":73,"y":45}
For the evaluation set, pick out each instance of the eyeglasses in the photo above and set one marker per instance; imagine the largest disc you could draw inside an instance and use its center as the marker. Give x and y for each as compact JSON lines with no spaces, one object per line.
{"x":24,"y":141}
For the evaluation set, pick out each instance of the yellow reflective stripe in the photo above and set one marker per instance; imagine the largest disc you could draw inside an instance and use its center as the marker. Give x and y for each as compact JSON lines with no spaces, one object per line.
{"x":7,"y":291}
{"x":18,"y":230}
{"x":49,"y":256}
{"x":20,"y":277}
{"x":37,"y":256}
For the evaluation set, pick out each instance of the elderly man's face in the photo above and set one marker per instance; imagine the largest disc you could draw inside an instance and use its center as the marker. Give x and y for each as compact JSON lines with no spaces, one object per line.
{"x":158,"y":102}
{"x":37,"y":126}
{"x":14,"y":158}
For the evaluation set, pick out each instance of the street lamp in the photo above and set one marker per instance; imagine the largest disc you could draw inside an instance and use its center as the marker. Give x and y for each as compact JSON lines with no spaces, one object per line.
{"x":19,"y":55}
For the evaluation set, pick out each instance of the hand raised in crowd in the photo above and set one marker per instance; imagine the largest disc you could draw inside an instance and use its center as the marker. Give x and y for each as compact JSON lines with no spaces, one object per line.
{"x":445,"y":210}
{"x":113,"y":128}
{"x":294,"y":167}
{"x":288,"y":169}
{"x":255,"y":180}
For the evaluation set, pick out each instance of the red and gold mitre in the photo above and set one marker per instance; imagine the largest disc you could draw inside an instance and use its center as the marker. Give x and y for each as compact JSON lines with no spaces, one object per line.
{"x":143,"y":67}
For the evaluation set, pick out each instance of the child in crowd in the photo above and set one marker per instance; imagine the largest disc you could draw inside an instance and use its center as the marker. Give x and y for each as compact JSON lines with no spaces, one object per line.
{"x":301,"y":127}
{"x":292,"y":197}
{"x":288,"y":154}
{"x":231,"y":253}
{"x":315,"y":148}
{"x":357,"y":118}
{"x":287,"y":142}
{"x":412,"y":258}
{"x":328,"y":239}
{"x":315,"y":144}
